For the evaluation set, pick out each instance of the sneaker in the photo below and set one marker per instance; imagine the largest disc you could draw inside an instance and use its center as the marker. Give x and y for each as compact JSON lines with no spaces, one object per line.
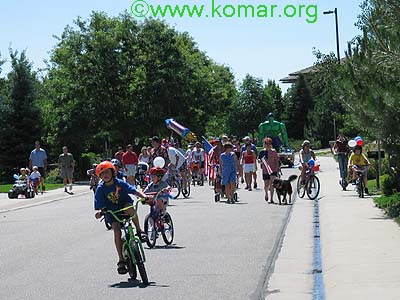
{"x":121,"y":268}
{"x":249,"y":189}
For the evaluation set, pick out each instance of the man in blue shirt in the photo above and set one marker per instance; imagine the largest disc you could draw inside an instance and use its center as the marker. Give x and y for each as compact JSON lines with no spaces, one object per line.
{"x":113,"y":194}
{"x":38,"y":157}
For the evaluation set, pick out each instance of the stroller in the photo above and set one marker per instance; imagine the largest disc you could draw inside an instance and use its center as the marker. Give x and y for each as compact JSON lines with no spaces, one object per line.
{"x":21,"y":187}
{"x":196,"y":177}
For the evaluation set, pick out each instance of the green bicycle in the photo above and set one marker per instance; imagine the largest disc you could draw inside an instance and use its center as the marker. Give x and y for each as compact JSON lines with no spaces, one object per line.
{"x":132,"y":248}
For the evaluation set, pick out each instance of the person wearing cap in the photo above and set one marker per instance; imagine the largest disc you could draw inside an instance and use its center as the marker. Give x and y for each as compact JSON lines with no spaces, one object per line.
{"x":274,"y":130}
{"x":158,"y":151}
{"x":305,"y":155}
{"x":247,"y":141}
{"x":224,"y":139}
{"x":130,"y":160}
{"x":144,"y":155}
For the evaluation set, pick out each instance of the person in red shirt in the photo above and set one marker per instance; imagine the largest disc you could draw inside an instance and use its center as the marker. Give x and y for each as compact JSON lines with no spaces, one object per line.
{"x":119,"y":153}
{"x":130,"y":160}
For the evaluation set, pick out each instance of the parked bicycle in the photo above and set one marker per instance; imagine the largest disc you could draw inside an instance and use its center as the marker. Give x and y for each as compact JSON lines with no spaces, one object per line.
{"x":157,"y":222}
{"x":132,"y":247}
{"x":311,"y":184}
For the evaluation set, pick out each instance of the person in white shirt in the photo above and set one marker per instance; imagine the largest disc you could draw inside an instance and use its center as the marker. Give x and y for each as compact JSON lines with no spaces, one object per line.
{"x":198,"y":157}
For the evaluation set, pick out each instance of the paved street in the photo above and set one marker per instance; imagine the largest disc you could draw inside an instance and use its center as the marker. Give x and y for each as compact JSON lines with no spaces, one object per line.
{"x":60,"y":251}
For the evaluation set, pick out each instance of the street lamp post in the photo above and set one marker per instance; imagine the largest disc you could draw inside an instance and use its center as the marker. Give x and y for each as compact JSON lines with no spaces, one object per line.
{"x":337,"y":30}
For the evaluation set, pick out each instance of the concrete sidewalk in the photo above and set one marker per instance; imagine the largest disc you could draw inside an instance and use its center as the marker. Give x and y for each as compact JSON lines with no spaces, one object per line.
{"x":7,"y":204}
{"x":360,"y":247}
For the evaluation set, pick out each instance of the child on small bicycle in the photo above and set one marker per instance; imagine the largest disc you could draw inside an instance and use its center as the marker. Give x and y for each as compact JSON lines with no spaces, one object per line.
{"x":113,"y":194}
{"x":156,"y":185}
{"x":357,"y":158}
{"x":305,"y":155}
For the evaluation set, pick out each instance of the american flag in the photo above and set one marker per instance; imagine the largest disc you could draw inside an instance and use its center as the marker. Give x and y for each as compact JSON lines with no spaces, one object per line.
{"x":266,"y":165}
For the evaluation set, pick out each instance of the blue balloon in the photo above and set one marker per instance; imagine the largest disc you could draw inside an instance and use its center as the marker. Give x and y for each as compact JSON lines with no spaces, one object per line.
{"x":311,"y":162}
{"x":357,"y":138}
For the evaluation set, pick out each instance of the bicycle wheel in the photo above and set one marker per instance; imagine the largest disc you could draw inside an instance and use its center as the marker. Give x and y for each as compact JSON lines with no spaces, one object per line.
{"x":151,"y":231}
{"x":168,"y":231}
{"x":140,"y":263}
{"x":186,"y":192}
{"x":313,"y":187}
{"x":175,"y":189}
{"x":130,"y":264}
{"x":301,"y":191}
{"x":361,"y":188}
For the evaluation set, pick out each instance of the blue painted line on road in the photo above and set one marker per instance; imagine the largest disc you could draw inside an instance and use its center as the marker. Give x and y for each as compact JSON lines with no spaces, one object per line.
{"x":318,"y":290}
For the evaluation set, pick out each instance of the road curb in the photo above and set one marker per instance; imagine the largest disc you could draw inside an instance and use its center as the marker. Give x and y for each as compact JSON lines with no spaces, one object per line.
{"x":262,"y":287}
{"x":43,"y":202}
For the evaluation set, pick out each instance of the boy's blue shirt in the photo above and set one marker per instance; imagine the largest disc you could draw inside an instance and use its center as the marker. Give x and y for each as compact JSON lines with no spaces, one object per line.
{"x":115,"y":196}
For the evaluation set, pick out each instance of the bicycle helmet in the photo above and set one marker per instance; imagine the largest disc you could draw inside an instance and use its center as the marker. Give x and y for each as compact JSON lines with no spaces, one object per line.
{"x":101,"y":167}
{"x":157,"y":171}
{"x":116,"y":162}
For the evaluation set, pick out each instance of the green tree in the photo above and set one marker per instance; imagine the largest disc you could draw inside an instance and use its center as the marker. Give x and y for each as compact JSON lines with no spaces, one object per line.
{"x":250,"y":107}
{"x":275,"y":92}
{"x":299,"y":104}
{"x":20,"y":116}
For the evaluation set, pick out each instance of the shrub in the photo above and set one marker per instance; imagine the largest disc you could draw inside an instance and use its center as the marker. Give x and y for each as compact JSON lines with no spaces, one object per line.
{"x":53,"y":176}
{"x":390,"y":204}
{"x":391,"y":184}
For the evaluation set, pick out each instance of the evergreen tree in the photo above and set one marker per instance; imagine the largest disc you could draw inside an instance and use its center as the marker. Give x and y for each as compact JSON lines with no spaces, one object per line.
{"x":299,"y":104}
{"x":20,"y":116}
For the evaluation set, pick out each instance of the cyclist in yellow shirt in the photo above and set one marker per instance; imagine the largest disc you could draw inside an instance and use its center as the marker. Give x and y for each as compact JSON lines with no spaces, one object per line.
{"x":357,"y":158}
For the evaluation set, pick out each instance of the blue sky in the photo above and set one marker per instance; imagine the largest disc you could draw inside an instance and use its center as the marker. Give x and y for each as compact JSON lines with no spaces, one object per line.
{"x":263,"y":47}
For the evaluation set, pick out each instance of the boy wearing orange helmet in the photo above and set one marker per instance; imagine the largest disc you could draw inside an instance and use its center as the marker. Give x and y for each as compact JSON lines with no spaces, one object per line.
{"x":113,"y":194}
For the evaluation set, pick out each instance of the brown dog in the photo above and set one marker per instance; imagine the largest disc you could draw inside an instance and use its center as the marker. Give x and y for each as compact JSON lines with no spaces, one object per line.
{"x":284,"y":188}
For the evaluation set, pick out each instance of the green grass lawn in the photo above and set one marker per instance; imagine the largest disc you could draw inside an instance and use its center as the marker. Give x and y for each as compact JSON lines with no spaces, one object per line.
{"x":4,"y":188}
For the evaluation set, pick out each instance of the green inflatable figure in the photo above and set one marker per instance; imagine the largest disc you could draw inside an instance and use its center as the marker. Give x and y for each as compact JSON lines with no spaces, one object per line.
{"x":273,"y":129}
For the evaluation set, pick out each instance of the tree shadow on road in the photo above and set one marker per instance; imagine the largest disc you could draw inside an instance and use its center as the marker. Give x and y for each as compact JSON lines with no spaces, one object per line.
{"x":135,"y":284}
{"x":172,"y":247}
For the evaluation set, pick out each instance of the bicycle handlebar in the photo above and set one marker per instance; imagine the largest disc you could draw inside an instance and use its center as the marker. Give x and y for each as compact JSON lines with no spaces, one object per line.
{"x":114,"y":213}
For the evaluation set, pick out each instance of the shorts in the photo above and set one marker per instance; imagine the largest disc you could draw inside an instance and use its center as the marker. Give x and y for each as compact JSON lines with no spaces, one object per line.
{"x":249,"y":168}
{"x":266,"y":176}
{"x":66,"y":173}
{"x":228,"y":177}
{"x":42,"y":172}
{"x":130,"y":170}
{"x":183,"y":167}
